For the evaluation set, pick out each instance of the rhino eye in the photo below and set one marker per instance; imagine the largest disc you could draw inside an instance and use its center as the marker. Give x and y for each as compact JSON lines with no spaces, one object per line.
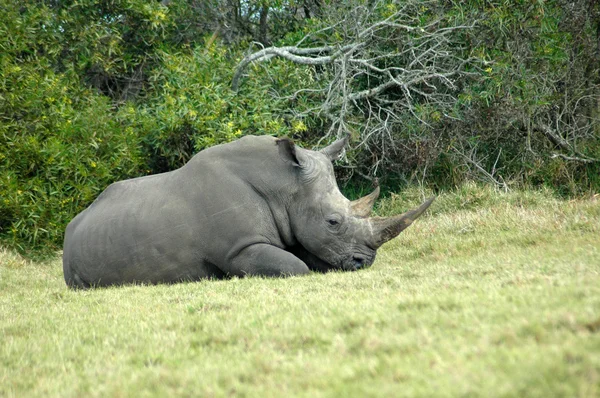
{"x":334,"y":221}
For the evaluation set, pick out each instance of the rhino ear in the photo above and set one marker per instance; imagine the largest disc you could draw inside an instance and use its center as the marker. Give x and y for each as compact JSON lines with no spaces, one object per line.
{"x":335,"y":150}
{"x":288,"y":152}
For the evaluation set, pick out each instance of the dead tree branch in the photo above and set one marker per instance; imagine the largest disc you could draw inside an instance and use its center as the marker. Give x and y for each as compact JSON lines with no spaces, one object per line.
{"x":471,"y":160}
{"x":294,"y":54}
{"x":560,"y":142}
{"x":381,"y":73}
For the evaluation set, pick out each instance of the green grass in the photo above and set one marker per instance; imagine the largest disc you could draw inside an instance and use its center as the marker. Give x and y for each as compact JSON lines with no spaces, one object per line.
{"x":488,"y":295}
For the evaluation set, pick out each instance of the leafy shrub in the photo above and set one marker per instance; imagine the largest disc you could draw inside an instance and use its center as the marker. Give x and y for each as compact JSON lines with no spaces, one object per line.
{"x":192,"y":106}
{"x":540,"y":82}
{"x":94,"y":92}
{"x":61,"y":146}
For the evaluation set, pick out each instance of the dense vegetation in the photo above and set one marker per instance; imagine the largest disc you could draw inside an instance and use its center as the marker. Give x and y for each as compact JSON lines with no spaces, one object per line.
{"x":96,"y":91}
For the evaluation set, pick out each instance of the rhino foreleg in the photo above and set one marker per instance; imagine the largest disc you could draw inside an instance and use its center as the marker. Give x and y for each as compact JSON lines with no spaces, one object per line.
{"x":313,"y":262}
{"x":266,"y":260}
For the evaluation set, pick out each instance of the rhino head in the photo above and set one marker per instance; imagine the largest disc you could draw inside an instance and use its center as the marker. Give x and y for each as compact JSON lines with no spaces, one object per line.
{"x":333,"y":232}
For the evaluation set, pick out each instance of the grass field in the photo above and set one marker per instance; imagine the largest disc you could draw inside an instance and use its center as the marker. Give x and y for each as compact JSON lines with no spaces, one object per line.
{"x":488,"y":295}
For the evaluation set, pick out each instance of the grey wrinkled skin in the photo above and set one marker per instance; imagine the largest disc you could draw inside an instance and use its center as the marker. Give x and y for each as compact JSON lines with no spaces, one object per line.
{"x":256,"y":206}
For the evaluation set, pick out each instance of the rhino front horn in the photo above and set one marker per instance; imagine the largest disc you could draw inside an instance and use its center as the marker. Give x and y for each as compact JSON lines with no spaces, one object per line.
{"x":387,"y":228}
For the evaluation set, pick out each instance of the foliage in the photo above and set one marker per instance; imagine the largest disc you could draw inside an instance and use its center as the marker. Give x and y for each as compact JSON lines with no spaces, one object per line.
{"x":192,"y":107}
{"x":63,"y":139}
{"x":235,"y":21}
{"x":64,"y":148}
{"x":537,"y":102}
{"x":489,"y":295}
{"x":505,"y":92}
{"x":96,"y":91}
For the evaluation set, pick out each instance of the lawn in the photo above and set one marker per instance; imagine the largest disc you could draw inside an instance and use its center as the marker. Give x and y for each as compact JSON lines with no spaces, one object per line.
{"x":490,"y":294}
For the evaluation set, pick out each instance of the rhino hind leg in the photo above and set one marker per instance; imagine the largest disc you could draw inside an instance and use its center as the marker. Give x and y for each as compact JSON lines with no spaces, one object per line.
{"x":78,"y":283}
{"x":73,"y":280}
{"x":265,"y":260}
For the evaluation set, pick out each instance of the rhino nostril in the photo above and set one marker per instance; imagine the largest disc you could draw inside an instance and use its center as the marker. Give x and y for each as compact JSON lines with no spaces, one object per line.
{"x":358,"y":261}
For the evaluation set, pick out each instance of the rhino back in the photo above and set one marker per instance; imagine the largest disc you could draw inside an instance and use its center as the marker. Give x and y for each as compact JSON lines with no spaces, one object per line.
{"x":184,"y":224}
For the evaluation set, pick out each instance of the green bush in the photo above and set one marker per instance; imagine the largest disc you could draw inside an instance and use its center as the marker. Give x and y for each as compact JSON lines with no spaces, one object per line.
{"x":61,"y":146}
{"x":540,"y":74}
{"x":93,"y":92}
{"x":192,"y":106}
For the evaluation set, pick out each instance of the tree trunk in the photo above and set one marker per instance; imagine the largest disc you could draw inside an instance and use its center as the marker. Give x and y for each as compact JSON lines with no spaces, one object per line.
{"x":263,"y":26}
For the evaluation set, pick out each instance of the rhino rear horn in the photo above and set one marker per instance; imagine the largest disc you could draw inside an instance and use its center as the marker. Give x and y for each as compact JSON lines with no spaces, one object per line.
{"x":362,"y":207}
{"x":387,"y":228}
{"x":335,"y":150}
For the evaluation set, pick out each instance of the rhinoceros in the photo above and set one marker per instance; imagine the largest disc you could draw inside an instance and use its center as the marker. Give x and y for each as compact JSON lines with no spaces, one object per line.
{"x":256,"y":206}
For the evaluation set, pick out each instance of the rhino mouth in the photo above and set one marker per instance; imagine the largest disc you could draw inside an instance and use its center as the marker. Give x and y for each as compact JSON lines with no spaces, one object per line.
{"x":357,"y":261}
{"x":351,"y":262}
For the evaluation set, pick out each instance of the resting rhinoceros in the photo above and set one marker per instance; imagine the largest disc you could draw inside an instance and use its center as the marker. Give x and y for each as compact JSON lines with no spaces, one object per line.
{"x":255,"y":206}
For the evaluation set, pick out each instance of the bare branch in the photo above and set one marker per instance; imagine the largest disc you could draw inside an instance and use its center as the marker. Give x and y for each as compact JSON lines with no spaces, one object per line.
{"x":381,"y":74}
{"x":490,"y":176}
{"x":575,"y":159}
{"x":557,"y":140}
{"x":294,"y":54}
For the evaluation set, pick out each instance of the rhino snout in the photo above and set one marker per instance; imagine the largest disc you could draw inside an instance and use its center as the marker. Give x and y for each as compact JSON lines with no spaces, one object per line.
{"x":359,"y":260}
